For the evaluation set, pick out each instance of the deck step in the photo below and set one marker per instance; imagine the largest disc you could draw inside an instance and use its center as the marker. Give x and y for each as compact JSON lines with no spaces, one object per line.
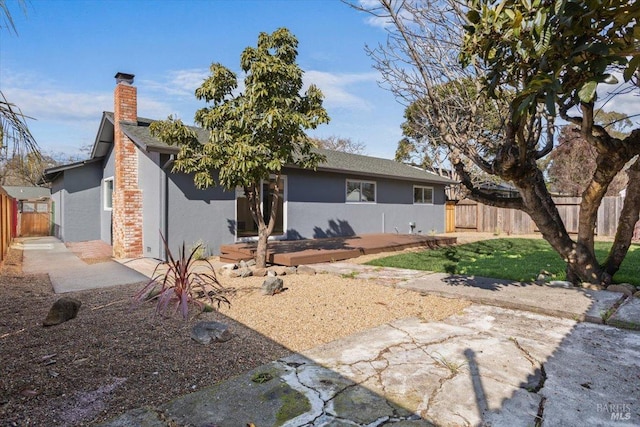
{"x":296,"y":252}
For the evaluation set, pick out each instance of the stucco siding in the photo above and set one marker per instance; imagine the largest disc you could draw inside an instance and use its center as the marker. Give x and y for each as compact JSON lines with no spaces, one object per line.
{"x":193,"y":214}
{"x":317,"y":207}
{"x":150,"y":181}
{"x":57,"y":191}
{"x":105,"y":214}
{"x":81,"y":203}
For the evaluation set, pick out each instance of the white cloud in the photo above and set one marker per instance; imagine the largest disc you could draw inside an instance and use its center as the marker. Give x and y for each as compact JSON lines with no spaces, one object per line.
{"x":181,"y":83}
{"x":338,"y":88}
{"x":51,"y":104}
{"x":60,"y":105}
{"x":179,"y":86}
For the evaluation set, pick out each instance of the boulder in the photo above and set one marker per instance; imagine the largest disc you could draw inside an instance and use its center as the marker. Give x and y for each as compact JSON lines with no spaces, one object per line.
{"x":593,"y":286}
{"x":305,"y":269}
{"x":272,"y":286}
{"x":205,"y":332}
{"x":247,"y":264}
{"x":289,"y":270}
{"x":66,"y":308}
{"x":245,"y":272}
{"x":279,"y":270}
{"x":259,"y":272}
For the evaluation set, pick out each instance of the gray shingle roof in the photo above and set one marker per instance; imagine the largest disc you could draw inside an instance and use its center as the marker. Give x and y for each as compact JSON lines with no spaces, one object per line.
{"x":374,"y":166}
{"x":336,"y":161}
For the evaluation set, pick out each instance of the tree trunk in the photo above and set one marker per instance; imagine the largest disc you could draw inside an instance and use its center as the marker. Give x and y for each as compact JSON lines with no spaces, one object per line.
{"x":607,"y":167}
{"x":581,"y":262}
{"x":264,"y":230}
{"x":253,"y":195}
{"x":626,"y":224}
{"x":261,"y":250}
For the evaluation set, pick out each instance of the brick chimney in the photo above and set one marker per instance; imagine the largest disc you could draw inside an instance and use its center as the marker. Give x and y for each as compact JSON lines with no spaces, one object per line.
{"x":127,"y":197}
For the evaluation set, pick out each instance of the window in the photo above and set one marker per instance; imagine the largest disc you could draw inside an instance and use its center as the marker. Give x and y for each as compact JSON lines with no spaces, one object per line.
{"x":108,"y":194}
{"x":361,"y":191}
{"x":423,"y":195}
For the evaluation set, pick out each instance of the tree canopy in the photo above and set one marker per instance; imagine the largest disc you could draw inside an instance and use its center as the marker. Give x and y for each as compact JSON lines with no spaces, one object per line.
{"x":541,"y":61}
{"x":253,"y":134}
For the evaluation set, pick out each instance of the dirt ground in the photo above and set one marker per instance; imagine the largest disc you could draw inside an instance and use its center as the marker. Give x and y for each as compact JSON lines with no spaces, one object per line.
{"x":111,"y":359}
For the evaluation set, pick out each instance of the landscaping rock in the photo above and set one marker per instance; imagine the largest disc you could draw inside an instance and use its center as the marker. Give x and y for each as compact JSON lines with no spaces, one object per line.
{"x":593,"y":287}
{"x":289,"y":270}
{"x":271,"y":273}
{"x":272,"y":286}
{"x":230,"y":266}
{"x":259,"y":272}
{"x":247,"y":264}
{"x":543,"y":276}
{"x":245,"y":272}
{"x":279,"y":270}
{"x":66,"y":308}
{"x":560,"y":284}
{"x":623,"y":288}
{"x":305,"y":269}
{"x":205,"y":332}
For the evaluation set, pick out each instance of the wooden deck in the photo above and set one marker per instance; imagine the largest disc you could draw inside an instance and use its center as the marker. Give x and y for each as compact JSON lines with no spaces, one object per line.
{"x":296,"y":252}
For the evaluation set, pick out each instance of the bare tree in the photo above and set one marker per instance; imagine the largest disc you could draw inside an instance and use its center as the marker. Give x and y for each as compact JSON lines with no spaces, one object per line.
{"x":336,"y":143}
{"x":573,"y":162}
{"x":490,"y":78}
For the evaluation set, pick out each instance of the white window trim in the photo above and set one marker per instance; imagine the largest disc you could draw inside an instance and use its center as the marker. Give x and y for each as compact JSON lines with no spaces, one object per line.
{"x":361,"y":181}
{"x":423,"y":187}
{"x":104,"y":193}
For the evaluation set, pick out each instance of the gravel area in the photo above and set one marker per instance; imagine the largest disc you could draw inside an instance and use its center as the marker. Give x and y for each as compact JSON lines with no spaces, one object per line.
{"x":111,"y":359}
{"x":321,"y":308}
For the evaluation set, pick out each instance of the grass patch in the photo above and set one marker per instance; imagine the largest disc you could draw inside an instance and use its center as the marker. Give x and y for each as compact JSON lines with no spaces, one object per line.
{"x":509,"y":258}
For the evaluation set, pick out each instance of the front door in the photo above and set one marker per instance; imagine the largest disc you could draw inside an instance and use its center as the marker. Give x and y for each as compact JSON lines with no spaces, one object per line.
{"x":245,"y":225}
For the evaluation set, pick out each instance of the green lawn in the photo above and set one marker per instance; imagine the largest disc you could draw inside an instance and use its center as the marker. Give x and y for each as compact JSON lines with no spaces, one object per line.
{"x":512,"y":258}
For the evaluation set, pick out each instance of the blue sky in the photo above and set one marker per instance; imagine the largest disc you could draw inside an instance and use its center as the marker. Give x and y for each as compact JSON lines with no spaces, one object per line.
{"x":59,"y":69}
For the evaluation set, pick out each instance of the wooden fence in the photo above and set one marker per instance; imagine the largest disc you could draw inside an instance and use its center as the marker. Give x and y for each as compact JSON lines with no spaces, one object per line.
{"x":472,"y":216}
{"x":7,"y":221}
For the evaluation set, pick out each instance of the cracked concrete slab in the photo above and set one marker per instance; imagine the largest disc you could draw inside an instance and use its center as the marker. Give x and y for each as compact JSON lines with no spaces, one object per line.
{"x":627,"y":315}
{"x":593,"y":378}
{"x":484,"y":366}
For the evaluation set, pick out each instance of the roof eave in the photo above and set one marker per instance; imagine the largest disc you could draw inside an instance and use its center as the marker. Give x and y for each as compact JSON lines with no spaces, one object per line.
{"x":102,"y":140}
{"x":438,"y":180}
{"x":50,"y":174}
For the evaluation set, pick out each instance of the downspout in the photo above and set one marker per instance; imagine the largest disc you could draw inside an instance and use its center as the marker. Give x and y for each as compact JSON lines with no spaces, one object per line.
{"x":164,"y":203}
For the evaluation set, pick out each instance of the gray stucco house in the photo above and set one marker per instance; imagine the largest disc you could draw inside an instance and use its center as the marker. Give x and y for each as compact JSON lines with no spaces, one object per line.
{"x":126,"y":194}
